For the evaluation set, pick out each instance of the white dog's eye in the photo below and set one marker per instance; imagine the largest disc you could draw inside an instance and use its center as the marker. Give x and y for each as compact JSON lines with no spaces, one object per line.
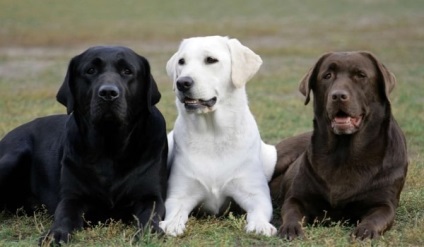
{"x":181,"y":61}
{"x":211,"y":60}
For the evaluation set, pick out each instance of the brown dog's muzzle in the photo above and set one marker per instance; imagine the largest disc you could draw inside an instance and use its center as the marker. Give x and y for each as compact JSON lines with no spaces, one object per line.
{"x":343,"y":111}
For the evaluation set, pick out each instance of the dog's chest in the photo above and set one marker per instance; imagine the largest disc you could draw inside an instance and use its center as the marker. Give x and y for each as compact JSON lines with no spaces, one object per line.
{"x":342,"y":184}
{"x":214,"y":199}
{"x":212,"y":146}
{"x":106,"y":179}
{"x":212,"y":179}
{"x":105,"y":174}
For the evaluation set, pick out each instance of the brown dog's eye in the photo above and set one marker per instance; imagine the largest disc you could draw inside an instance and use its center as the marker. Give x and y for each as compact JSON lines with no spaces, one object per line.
{"x":327,"y":76}
{"x":91,"y":71}
{"x":361,"y":75}
{"x":211,"y":60}
{"x":126,"y":71}
{"x":181,"y":61}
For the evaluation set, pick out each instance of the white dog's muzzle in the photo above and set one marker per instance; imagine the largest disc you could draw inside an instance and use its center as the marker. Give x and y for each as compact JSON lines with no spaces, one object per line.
{"x":184,"y":86}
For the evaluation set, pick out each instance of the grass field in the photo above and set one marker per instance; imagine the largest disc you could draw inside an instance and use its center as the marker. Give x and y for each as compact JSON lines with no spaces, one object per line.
{"x":38,"y":38}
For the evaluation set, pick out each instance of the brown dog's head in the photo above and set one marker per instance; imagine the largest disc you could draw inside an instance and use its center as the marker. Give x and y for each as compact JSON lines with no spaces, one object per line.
{"x":108,"y":84}
{"x":349,"y":88}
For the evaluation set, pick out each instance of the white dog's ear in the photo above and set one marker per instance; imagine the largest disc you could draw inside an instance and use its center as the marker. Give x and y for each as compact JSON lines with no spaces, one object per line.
{"x":244,"y":62}
{"x":171,"y":69}
{"x":171,"y":66}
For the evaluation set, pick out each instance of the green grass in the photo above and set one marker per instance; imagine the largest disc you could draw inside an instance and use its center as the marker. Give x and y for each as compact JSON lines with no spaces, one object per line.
{"x":38,"y":38}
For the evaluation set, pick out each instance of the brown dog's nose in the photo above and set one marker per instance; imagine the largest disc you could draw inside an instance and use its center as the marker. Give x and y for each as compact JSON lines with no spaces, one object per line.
{"x":108,"y":92}
{"x":184,"y":84}
{"x":340,"y":95}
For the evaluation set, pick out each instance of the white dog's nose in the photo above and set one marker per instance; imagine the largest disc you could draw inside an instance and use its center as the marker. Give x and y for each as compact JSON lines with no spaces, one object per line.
{"x":184,"y":84}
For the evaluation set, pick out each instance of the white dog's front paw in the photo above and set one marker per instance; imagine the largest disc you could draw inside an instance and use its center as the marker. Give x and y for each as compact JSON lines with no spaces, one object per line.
{"x":172,"y":227}
{"x":264,"y":228}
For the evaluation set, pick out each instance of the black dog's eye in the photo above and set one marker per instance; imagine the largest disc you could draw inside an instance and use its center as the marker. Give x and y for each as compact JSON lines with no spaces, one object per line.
{"x":90,"y":71}
{"x":126,"y":71}
{"x":327,"y":76}
{"x":211,"y":60}
{"x":181,"y":61}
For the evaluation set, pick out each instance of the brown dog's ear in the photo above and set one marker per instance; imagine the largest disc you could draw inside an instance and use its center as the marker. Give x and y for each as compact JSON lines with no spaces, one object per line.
{"x":304,"y":85}
{"x":389,"y":79}
{"x":152,"y":92}
{"x":64,"y":95}
{"x":309,"y":78}
{"x":244,"y":63}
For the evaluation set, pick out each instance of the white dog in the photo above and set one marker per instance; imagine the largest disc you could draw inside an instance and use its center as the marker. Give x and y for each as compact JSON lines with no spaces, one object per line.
{"x":215,"y":150}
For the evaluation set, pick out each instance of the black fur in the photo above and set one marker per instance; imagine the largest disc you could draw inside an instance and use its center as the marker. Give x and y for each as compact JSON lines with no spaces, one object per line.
{"x":106,"y":159}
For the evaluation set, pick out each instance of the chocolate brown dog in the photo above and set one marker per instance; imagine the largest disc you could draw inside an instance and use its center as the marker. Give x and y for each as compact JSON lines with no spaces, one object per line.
{"x":354,"y":164}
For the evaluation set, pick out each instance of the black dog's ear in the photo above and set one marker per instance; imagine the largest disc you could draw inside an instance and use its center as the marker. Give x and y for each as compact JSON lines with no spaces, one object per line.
{"x":386,"y":78}
{"x":309,"y":78}
{"x":152,"y":92}
{"x":64,"y":95}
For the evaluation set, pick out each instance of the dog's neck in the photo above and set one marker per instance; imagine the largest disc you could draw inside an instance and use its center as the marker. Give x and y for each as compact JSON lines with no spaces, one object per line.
{"x":369,"y":141}
{"x":111,"y":137}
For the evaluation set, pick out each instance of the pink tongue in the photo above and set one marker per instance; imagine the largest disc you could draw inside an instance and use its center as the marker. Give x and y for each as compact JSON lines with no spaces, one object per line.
{"x":341,"y":120}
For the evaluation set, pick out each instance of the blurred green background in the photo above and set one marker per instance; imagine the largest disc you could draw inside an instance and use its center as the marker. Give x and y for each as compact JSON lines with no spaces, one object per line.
{"x":38,"y":38}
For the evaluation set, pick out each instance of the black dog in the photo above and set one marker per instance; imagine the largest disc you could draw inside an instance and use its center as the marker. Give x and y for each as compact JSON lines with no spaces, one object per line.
{"x":106,"y":159}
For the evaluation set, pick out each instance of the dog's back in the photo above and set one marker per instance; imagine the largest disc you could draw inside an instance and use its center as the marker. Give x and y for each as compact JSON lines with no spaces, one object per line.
{"x":30,"y":164}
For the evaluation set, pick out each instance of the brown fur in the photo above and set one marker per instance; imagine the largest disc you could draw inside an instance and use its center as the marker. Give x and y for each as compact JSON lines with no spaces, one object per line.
{"x":344,"y":172}
{"x":288,"y":150}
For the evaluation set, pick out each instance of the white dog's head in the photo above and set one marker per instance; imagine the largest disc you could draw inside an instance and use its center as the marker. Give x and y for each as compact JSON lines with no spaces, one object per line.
{"x":205,"y":69}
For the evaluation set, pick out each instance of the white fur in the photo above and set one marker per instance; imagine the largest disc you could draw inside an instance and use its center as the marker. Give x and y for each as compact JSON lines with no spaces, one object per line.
{"x":217,"y":153}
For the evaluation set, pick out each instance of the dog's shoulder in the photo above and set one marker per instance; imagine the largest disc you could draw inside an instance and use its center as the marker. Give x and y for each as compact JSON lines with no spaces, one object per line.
{"x":396,"y":151}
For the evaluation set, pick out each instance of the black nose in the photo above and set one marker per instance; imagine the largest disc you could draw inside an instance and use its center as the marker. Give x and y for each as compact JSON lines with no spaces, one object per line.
{"x":184,"y":84}
{"x":340,"y":95}
{"x":108,"y":92}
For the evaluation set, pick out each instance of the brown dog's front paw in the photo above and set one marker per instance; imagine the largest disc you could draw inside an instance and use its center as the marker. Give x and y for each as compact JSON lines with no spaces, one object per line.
{"x":363,"y":232}
{"x":290,"y":231}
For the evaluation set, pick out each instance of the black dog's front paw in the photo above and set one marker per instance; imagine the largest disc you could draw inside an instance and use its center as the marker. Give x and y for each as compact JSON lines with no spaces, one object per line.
{"x":154,"y":228}
{"x":55,"y":238}
{"x":150,"y":228}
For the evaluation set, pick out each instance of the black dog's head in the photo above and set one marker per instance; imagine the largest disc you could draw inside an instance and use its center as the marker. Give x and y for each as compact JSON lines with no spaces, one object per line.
{"x":350,"y":89}
{"x":108,"y":84}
